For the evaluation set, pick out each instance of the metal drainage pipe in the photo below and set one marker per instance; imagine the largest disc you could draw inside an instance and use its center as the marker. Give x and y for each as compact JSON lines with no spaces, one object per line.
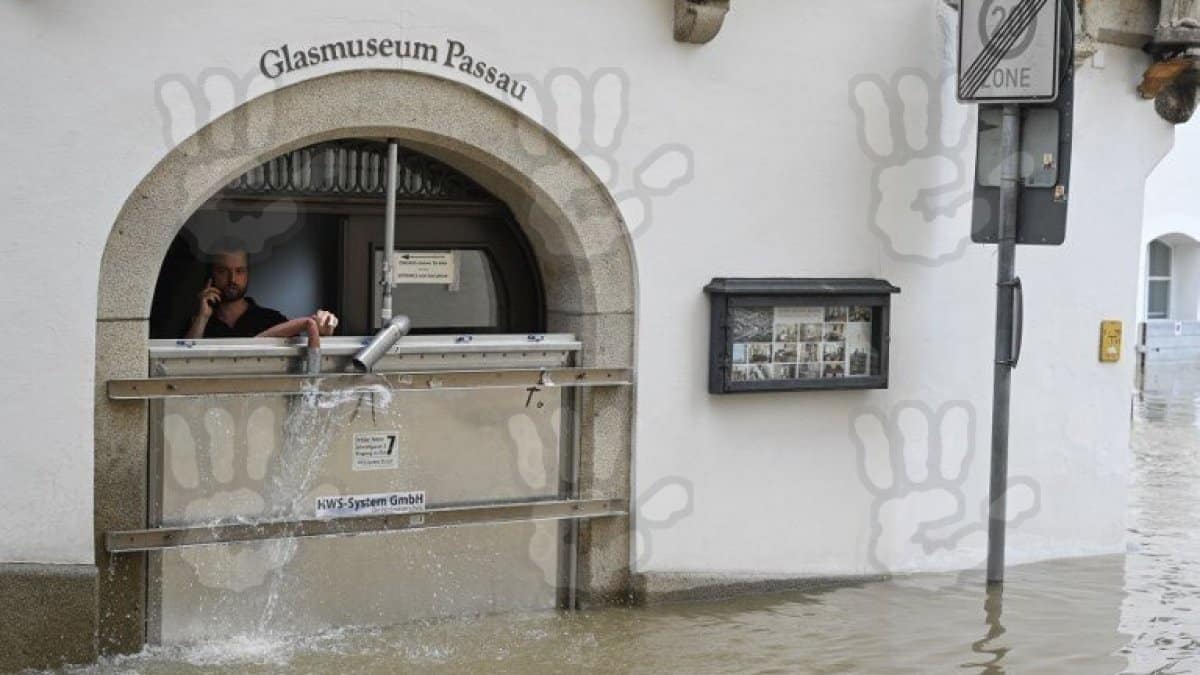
{"x":372,"y":351}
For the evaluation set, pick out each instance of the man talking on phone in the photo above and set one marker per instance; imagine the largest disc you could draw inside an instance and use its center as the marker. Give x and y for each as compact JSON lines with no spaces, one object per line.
{"x":223,"y":309}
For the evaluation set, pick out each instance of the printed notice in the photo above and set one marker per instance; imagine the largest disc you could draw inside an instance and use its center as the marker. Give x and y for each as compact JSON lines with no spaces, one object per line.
{"x":376,"y":450}
{"x":424,"y":267}
{"x":342,"y":506}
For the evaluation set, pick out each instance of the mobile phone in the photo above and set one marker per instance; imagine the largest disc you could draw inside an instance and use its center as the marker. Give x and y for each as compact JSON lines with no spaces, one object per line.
{"x":212,"y":301}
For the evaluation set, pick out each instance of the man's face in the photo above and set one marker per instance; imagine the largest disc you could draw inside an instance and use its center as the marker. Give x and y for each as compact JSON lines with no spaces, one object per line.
{"x":230,"y":275}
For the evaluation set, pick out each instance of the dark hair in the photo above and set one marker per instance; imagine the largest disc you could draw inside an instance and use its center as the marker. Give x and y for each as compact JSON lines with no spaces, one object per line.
{"x":226,"y":245}
{"x":223,"y":245}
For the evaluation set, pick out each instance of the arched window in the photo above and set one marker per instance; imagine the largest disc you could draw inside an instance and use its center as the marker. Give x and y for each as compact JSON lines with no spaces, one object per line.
{"x":1158,"y":281}
{"x":311,"y":224}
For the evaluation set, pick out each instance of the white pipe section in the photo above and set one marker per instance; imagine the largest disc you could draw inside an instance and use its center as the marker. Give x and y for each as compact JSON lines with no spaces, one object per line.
{"x":375,"y":349}
{"x":389,"y":236}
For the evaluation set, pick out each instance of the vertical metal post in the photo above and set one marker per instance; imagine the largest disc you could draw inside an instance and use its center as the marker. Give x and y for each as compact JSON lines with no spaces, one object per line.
{"x":573,"y":493}
{"x":568,"y":488}
{"x":154,"y":485}
{"x":389,"y":235}
{"x":1010,"y":139}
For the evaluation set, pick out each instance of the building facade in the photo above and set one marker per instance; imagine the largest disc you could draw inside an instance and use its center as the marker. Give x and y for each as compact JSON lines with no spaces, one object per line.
{"x":1171,"y":235}
{"x":814,"y":140}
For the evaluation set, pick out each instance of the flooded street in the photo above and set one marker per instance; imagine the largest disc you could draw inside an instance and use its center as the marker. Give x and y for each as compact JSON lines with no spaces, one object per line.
{"x":1133,"y":613}
{"x":1161,"y":608}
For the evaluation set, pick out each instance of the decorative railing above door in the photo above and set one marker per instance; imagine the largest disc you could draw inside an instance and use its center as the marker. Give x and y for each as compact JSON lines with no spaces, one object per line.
{"x":355,"y":168}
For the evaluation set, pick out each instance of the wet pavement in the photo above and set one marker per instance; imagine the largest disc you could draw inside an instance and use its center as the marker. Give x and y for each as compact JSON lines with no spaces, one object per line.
{"x":1132,"y":613}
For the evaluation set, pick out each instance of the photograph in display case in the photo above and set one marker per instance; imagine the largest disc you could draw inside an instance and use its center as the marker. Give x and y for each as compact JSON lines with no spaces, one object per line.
{"x":779,"y":341}
{"x":809,"y":352}
{"x":834,"y":370}
{"x":785,"y":352}
{"x":752,"y":325}
{"x":741,"y":352}
{"x":838,"y":337}
{"x":760,"y":352}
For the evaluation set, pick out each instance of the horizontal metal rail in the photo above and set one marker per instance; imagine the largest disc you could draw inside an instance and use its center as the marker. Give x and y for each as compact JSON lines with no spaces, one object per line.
{"x":161,"y":538}
{"x":217,"y":385}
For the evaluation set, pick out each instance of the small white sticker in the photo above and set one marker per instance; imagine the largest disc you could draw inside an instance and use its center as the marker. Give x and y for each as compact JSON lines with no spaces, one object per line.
{"x":376,"y":450}
{"x":424,"y":267}
{"x":341,"y":506}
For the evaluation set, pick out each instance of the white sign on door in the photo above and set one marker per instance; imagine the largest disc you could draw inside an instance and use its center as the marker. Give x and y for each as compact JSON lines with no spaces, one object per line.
{"x":1008,"y":51}
{"x":376,"y":450}
{"x":424,"y":267}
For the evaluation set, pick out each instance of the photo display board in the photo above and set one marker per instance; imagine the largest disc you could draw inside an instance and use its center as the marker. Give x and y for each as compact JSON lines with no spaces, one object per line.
{"x":796,"y":334}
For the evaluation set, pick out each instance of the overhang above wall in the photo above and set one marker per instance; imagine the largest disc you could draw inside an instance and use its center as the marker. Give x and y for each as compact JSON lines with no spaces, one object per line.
{"x":1167,"y":29}
{"x":1129,"y":23}
{"x":1174,"y":79}
{"x":1178,"y":25}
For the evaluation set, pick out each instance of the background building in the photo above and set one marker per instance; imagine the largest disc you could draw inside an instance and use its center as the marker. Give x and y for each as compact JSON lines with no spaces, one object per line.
{"x":1171,"y":234}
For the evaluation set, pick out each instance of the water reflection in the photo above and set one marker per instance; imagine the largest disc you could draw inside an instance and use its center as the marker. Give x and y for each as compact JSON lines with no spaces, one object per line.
{"x":1133,"y":613}
{"x":1161,"y":607}
{"x":1169,"y":393}
{"x":993,"y":609}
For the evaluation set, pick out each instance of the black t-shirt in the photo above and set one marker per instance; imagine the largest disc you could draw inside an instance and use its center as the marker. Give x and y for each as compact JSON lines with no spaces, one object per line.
{"x":254,"y":321}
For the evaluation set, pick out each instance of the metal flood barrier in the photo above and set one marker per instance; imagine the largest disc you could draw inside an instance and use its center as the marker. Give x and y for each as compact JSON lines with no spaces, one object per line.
{"x":478,"y":433}
{"x":1168,"y":341}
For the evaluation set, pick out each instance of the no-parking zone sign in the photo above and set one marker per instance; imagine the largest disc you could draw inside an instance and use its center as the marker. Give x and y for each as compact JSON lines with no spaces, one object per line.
{"x":1008,"y":51}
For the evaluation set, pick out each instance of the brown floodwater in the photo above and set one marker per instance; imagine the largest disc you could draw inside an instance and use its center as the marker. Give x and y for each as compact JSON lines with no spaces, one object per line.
{"x":1132,"y":613}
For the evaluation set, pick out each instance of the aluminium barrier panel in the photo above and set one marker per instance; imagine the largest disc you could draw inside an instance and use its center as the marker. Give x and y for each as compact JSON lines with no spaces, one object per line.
{"x":233,"y":458}
{"x":1168,"y":341}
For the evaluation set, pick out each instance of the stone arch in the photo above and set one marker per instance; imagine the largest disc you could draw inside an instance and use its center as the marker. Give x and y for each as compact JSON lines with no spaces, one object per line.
{"x":1177,"y":239}
{"x":581,"y":243}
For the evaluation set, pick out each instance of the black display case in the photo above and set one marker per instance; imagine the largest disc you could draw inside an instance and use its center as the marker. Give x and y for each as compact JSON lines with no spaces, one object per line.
{"x":798,"y":334}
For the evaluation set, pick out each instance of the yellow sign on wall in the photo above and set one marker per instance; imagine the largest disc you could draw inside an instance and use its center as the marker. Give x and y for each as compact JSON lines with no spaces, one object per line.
{"x":1110,"y":341}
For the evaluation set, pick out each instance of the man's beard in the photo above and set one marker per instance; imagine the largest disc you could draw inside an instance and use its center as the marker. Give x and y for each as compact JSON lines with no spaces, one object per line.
{"x":232,"y":293}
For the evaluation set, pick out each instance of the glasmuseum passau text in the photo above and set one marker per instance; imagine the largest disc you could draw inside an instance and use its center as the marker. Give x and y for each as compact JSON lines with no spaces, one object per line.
{"x":286,"y":59}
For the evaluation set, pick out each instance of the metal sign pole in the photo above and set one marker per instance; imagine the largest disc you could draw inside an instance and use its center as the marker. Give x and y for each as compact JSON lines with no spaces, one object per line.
{"x":389,"y":234}
{"x":1007,"y":349}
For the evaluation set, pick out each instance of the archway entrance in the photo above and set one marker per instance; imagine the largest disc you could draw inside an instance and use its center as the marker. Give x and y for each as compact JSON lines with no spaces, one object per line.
{"x":311,"y":221}
{"x":572,"y":227}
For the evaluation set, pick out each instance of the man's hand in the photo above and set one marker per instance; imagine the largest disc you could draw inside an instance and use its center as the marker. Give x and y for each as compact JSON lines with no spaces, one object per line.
{"x":209,"y":296}
{"x":326,"y":321}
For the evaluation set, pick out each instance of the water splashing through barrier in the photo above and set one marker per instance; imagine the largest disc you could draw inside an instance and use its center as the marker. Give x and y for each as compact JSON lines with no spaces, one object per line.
{"x":314,"y":417}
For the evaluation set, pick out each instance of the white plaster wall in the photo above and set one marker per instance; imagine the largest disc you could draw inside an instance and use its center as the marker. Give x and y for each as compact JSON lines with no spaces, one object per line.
{"x":775,"y":478}
{"x":781,"y":186}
